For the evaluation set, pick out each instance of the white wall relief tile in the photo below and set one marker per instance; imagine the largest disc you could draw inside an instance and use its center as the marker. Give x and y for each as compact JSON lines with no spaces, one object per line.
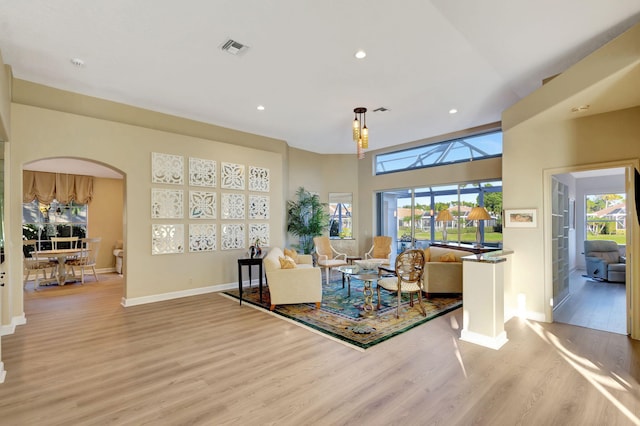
{"x":258,"y":179}
{"x":202,"y":237}
{"x":232,"y":206}
{"x":232,"y":236}
{"x":231,"y":176}
{"x":167,"y":203}
{"x":167,"y":239}
{"x":167,"y":168}
{"x":258,"y":207}
{"x":202,"y":172}
{"x":261,"y":231}
{"x":202,"y":205}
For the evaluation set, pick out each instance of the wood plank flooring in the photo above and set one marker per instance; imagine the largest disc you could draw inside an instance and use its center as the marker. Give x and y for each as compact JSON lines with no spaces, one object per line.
{"x":82,"y":359}
{"x":594,"y":304}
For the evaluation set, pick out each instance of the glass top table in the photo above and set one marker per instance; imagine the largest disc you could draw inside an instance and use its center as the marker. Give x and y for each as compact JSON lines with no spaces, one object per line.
{"x":365,"y":275}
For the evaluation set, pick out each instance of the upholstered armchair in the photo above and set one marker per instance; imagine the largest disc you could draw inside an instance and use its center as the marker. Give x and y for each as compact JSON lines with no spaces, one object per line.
{"x":328,"y":257}
{"x":380,"y":250}
{"x":604,"y":261}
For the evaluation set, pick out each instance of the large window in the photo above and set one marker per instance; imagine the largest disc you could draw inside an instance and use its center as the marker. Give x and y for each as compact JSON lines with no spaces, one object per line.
{"x":341,"y":215}
{"x":488,"y":145}
{"x":606,"y":217}
{"x":42,"y":221}
{"x":409,"y":215}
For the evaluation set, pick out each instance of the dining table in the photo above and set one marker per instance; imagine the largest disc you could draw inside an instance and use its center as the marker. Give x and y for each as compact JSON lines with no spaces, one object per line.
{"x":61,"y":255}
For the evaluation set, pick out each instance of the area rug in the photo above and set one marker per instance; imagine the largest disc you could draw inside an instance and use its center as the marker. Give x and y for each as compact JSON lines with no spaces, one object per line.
{"x":340,"y":314}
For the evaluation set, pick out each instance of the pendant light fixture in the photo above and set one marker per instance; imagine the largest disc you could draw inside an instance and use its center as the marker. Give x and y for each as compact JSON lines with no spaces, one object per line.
{"x":360,"y":131}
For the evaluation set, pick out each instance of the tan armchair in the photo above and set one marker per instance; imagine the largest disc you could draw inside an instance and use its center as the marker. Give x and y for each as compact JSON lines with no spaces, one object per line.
{"x":380,"y":250}
{"x":328,"y":257}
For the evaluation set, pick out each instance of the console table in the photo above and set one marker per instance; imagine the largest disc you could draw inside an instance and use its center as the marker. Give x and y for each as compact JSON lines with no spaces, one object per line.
{"x":250,"y":261}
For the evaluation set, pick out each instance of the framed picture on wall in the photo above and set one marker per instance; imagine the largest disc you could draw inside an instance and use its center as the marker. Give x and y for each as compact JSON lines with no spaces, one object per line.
{"x":520,"y":218}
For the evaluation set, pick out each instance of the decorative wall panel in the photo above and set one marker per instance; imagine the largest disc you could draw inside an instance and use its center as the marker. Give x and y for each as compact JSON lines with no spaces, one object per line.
{"x":232,"y":236}
{"x":202,"y":172}
{"x":232,"y":206}
{"x":259,"y":231}
{"x":202,"y":237}
{"x":167,"y":239}
{"x":167,"y":168}
{"x":202,"y":205}
{"x":167,"y":203}
{"x":258,"y":179}
{"x":232,"y":176}
{"x":258,"y":207}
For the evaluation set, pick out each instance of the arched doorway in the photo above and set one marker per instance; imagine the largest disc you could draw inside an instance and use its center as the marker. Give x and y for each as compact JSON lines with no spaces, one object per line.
{"x":102,"y":217}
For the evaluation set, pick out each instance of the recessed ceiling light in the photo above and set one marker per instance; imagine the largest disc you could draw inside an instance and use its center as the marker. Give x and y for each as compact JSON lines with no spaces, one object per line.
{"x":360,"y":54}
{"x":453,"y":111}
{"x":77,"y":62}
{"x":260,"y":107}
{"x":580,"y":108}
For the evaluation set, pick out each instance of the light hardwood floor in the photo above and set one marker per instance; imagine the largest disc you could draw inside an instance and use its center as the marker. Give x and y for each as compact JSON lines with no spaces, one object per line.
{"x":82,"y":359}
{"x":594,"y":304}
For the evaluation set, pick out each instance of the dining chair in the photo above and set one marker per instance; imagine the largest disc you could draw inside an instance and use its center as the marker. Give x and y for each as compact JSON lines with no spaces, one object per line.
{"x":89,"y":248}
{"x":409,"y":268}
{"x":328,"y":257}
{"x":33,"y":263}
{"x":58,"y":243}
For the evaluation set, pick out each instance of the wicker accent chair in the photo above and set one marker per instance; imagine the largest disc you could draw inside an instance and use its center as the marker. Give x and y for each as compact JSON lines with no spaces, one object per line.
{"x":380,"y":250}
{"x":408,"y":278}
{"x":328,"y":257}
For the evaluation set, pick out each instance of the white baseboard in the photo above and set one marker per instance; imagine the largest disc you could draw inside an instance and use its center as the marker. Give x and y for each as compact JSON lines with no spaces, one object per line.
{"x":482,"y":340}
{"x":3,"y":373}
{"x":11,"y":328}
{"x":126,"y":302}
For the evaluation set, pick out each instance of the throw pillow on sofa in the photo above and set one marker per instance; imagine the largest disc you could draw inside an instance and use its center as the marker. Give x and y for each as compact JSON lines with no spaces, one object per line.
{"x":287,"y":262}
{"x":292,"y":254}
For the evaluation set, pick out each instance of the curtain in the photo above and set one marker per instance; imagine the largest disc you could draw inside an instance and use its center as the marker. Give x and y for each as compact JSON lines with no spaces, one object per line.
{"x":45,"y":187}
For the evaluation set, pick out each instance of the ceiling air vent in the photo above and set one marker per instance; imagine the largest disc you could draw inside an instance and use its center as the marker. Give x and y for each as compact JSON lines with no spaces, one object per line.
{"x":381,"y":109}
{"x":233,"y":47}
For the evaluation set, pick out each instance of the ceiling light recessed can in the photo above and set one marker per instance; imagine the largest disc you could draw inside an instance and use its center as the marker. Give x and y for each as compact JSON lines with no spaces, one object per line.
{"x":453,"y":111}
{"x":77,"y":62}
{"x":360,"y":54}
{"x":260,"y":107}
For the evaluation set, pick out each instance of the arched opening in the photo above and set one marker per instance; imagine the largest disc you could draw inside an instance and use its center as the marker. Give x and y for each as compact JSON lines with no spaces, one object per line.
{"x":102,"y":217}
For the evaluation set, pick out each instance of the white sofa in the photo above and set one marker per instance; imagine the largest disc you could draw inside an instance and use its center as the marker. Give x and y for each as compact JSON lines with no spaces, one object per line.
{"x":302,"y":284}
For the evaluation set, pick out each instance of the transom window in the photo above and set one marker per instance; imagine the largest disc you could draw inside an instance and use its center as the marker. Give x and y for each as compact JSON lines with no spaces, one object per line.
{"x":479,"y":147}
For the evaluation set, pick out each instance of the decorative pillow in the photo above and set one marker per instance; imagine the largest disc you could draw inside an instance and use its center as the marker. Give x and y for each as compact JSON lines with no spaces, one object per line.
{"x":448,"y":257}
{"x":291,"y":253}
{"x":287,"y":262}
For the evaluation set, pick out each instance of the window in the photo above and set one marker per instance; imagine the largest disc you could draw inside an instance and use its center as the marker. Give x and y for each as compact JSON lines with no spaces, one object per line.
{"x":488,"y":145}
{"x":408,"y":215}
{"x":42,"y":221}
{"x":606,"y":217}
{"x":341,"y":215}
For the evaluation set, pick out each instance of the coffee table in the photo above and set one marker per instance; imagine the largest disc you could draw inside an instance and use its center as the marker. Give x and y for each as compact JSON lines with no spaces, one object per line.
{"x":347,"y":271}
{"x":367,"y":291}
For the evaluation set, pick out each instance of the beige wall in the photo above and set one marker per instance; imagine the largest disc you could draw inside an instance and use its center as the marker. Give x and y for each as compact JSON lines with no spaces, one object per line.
{"x":42,"y":133}
{"x":106,"y":213}
{"x":543,"y":137}
{"x":5,"y":100}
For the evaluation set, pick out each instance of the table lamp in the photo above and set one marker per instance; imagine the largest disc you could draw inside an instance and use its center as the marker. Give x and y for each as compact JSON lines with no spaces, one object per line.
{"x":478,"y":214}
{"x":444,"y":216}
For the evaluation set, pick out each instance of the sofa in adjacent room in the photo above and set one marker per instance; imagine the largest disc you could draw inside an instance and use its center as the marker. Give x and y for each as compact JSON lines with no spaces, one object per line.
{"x":292,"y":278}
{"x":443,"y":270}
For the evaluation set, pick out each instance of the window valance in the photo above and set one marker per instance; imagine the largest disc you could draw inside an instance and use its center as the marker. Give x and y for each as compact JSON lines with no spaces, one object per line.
{"x":45,"y":187}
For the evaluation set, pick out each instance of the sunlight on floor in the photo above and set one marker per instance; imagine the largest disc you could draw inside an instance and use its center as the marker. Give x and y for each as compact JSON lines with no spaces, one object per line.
{"x":587,"y":369}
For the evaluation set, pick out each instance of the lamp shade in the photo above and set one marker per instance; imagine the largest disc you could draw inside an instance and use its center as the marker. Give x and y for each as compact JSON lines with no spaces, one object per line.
{"x":444,"y":216}
{"x":478,"y":213}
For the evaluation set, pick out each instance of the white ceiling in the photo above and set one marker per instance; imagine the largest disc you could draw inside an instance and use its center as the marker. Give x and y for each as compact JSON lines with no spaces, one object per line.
{"x":423,"y":58}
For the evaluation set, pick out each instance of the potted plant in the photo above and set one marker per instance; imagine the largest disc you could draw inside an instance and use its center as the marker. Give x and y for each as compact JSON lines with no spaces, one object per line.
{"x":307,"y":217}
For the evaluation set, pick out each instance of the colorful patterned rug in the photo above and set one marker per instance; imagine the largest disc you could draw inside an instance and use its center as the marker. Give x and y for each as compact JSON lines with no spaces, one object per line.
{"x":339,"y":315}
